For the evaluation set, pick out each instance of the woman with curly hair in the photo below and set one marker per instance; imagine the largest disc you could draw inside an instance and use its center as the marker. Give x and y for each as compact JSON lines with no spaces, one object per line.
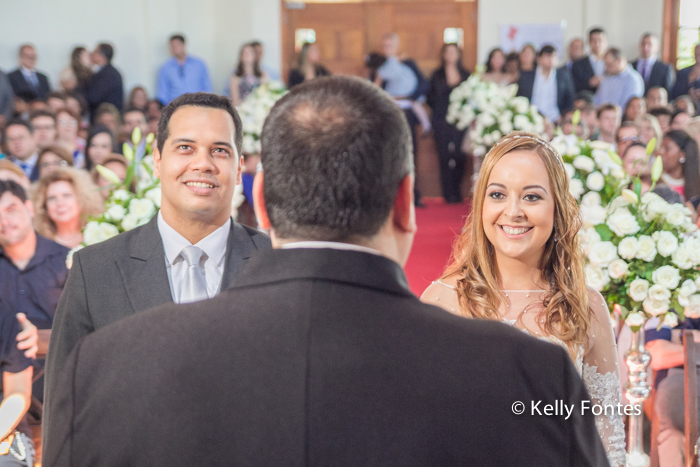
{"x":518,"y":261}
{"x":63,"y":202}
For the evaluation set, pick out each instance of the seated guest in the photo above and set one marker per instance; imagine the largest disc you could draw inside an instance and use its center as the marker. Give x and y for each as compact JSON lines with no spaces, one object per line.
{"x":44,"y":125}
{"x":664,"y":115}
{"x":657,"y":97}
{"x":626,"y":134}
{"x":155,"y":108}
{"x":686,"y":104}
{"x":528,"y":58}
{"x":589,"y":114}
{"x":100,"y":144}
{"x":496,"y":69}
{"x":679,"y":152}
{"x":679,"y":119}
{"x":512,"y":66}
{"x":315,"y":382}
{"x":567,"y":125}
{"x":620,"y":82}
{"x":588,"y":70}
{"x":308,"y":65}
{"x":67,"y":125}
{"x":649,"y":128}
{"x":548,"y":88}
{"x":117,"y":164}
{"x":109,"y":116}
{"x":52,"y":158}
{"x":27,"y":83}
{"x":10,"y":171}
{"x":152,"y":126}
{"x":134,"y":118}
{"x":181,"y":74}
{"x":63,"y":201}
{"x":637,"y":164}
{"x":247,"y":76}
{"x":636,"y":107}
{"x":105,"y":85}
{"x":608,"y":120}
{"x":654,"y":72}
{"x":688,"y":79}
{"x":33,"y":268}
{"x":77,"y":104}
{"x":21,"y":147}
{"x":56,"y":100}
{"x":17,"y":372}
{"x":138,"y":99}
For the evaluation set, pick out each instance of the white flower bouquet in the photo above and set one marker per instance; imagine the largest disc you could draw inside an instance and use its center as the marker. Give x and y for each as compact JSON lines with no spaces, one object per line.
{"x":644,"y":257}
{"x":125,"y":209}
{"x":254,"y":110}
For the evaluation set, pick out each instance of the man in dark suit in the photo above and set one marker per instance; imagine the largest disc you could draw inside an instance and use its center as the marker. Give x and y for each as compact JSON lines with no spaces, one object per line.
{"x":548,"y":88}
{"x":688,"y":79}
{"x":22,"y":148}
{"x":106,"y":84}
{"x":654,"y":71}
{"x":320,"y":355}
{"x":190,"y":250}
{"x":27,"y":83}
{"x":588,"y":71}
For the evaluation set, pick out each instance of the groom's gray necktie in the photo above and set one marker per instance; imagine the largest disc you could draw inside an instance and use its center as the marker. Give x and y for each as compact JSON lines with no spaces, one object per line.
{"x":194,"y":286}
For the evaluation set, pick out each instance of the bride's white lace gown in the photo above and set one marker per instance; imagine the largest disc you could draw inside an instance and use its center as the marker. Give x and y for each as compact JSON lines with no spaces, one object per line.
{"x":596,"y":361}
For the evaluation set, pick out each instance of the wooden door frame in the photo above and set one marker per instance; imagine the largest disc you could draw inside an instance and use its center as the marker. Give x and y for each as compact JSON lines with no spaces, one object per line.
{"x":671,"y":24}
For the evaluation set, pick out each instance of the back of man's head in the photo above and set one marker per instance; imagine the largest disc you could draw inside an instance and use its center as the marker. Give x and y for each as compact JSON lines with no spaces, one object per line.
{"x":107,"y":50}
{"x":334,"y":152}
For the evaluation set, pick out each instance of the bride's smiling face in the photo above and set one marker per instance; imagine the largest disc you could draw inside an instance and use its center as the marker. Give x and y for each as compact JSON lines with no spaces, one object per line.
{"x":518,"y":211}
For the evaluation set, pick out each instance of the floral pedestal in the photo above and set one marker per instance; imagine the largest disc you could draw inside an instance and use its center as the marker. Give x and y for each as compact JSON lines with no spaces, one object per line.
{"x":637,"y":391}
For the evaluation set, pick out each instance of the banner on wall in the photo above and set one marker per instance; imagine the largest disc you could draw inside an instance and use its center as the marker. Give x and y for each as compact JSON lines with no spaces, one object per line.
{"x":515,"y":36}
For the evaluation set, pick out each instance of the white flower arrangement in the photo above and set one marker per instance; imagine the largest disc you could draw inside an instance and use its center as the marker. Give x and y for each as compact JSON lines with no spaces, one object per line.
{"x":255,"y":109}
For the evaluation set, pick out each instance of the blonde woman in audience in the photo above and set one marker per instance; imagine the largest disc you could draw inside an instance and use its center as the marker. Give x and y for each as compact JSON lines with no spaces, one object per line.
{"x":518,"y":261}
{"x":63,"y":202}
{"x":649,"y":128}
{"x":52,"y":158}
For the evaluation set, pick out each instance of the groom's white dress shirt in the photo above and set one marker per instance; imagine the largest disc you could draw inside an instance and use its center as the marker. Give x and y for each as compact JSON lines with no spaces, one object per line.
{"x":331,"y":245}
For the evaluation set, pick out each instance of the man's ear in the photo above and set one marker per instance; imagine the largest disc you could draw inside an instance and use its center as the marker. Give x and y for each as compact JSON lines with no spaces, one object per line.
{"x":156,"y":163}
{"x":239,"y":175}
{"x":30,"y":208}
{"x":404,"y":211}
{"x":259,"y":202}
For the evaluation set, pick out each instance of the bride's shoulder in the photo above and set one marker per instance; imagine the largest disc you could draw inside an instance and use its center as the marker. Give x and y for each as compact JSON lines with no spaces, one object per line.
{"x":443,"y":293}
{"x":597,"y":303}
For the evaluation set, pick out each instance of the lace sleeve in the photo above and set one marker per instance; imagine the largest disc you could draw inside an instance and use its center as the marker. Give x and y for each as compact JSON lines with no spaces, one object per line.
{"x":601,"y":375}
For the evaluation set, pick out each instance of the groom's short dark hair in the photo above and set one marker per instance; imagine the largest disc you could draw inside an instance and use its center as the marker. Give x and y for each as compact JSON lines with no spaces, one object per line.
{"x":334,"y":152}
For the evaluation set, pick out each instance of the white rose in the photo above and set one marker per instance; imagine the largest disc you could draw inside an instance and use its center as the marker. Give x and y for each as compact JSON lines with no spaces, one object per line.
{"x":639,"y":289}
{"x":599,"y":145}
{"x":573,"y":151}
{"x":587,"y":238}
{"x":576,"y":188}
{"x":692,"y":245}
{"x":646,"y":248}
{"x":659,"y":292}
{"x":496,"y":135}
{"x":142,"y":208}
{"x":617,"y":268}
{"x":108,"y":230}
{"x":602,"y":254}
{"x":129,"y":222}
{"x":623,"y":223}
{"x":681,"y":257}
{"x":592,"y":214}
{"x":69,"y":258}
{"x":655,"y":209}
{"x":479,"y":151}
{"x":584,"y":163}
{"x":506,"y":127}
{"x":486,"y":119}
{"x":617,"y":202}
{"x":92,"y":233}
{"x":667,"y":276}
{"x":697,"y":282}
{"x":521,"y":104}
{"x":597,"y":278}
{"x":688,"y":288}
{"x":570,"y":170}
{"x":595,"y":181}
{"x":154,"y":195}
{"x":676,"y":215}
{"x":121,"y":195}
{"x":671,"y":320}
{"x":656,"y":307}
{"x":692,"y":310}
{"x":591,"y":199}
{"x":666,"y":244}
{"x":627,"y":248}
{"x":116,"y":212}
{"x":488,"y":141}
{"x":634,"y":320}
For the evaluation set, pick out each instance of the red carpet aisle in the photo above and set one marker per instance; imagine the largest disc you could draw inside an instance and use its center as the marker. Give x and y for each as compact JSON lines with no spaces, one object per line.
{"x":438,"y":227}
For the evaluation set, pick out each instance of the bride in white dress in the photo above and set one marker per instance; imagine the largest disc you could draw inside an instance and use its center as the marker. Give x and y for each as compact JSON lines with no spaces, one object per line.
{"x":518,"y":261}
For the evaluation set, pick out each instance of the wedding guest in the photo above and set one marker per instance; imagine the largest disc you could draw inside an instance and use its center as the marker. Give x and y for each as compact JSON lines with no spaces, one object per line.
{"x":247,"y":76}
{"x":27,"y":83}
{"x":635,"y":108}
{"x":155,"y":107}
{"x":679,"y":152}
{"x":686,"y":104}
{"x":77,"y":74}
{"x":197,"y":158}
{"x":117,"y":164}
{"x":512,"y":66}
{"x":664,"y":116}
{"x":549,"y":88}
{"x":44,"y":125}
{"x":657,"y":97}
{"x":517,"y":252}
{"x":688,"y":79}
{"x":282,"y":364}
{"x":63,"y":202}
{"x":589,"y":115}
{"x":609,"y":116}
{"x":105,"y":85}
{"x":10,"y":171}
{"x":100,"y":144}
{"x":567,"y":126}
{"x":653,"y":71}
{"x":620,"y":82}
{"x":134,"y":118}
{"x":626,"y":134}
{"x":576,"y":52}
{"x":448,"y":139}
{"x":649,"y":128}
{"x":152,"y":126}
{"x":138,"y":99}
{"x":182,"y":74}
{"x":679,"y":119}
{"x":528,"y":58}
{"x":588,"y":71}
{"x":496,"y":68}
{"x":637,"y":164}
{"x":308,"y":65}
{"x":67,"y":126}
{"x":52,"y":158}
{"x":260,"y":52}
{"x":109,"y":116}
{"x":56,"y":100}
{"x":21,"y":147}
{"x":7,"y":100}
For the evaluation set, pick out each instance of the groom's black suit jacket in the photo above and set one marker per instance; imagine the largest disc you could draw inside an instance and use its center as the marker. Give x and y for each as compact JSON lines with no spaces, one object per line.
{"x":316,"y":357}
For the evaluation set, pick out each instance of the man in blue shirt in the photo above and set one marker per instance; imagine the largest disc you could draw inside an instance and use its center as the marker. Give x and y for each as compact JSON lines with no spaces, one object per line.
{"x":182,"y":73}
{"x":620,"y":83}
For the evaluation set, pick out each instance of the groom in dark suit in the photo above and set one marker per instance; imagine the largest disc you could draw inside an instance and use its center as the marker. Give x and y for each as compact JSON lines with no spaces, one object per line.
{"x":198,"y":162}
{"x":320,"y":355}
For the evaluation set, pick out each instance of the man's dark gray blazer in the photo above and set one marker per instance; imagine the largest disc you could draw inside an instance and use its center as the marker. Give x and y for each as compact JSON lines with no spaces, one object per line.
{"x":117,"y":278}
{"x":565,"y":88}
{"x":661,"y":75}
{"x":316,"y":357}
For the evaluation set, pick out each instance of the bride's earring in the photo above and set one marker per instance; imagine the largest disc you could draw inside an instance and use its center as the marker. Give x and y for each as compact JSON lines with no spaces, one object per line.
{"x":555,"y":232}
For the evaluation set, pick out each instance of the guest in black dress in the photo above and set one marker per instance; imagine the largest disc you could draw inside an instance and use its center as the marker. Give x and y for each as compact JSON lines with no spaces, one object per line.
{"x":308,"y":66}
{"x":448,"y":139}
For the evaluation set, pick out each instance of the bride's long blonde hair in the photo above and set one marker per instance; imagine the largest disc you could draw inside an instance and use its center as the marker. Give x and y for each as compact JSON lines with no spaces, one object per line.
{"x":567,"y":315}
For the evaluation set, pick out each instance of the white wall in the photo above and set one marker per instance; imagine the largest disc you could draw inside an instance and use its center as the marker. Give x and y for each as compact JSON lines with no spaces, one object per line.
{"x":139,"y":31}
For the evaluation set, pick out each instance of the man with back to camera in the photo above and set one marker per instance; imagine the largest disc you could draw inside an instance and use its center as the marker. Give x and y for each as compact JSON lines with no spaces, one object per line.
{"x":190,"y":250}
{"x":320,"y":355}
